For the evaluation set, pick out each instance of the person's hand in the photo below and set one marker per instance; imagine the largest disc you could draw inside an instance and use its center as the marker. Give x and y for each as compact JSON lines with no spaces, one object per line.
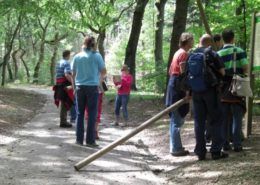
{"x":118,"y":86}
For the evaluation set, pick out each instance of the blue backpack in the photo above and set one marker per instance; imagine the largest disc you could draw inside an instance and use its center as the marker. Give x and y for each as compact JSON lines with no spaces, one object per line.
{"x":196,"y":72}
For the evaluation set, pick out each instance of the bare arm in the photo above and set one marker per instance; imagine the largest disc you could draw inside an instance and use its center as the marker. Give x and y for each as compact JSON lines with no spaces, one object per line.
{"x":222,"y":71}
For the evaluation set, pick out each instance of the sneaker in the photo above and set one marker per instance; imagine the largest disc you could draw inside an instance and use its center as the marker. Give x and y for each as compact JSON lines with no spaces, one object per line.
{"x":79,"y":143}
{"x":65,"y":125}
{"x":219,"y":155}
{"x":238,"y":149}
{"x":124,"y":124}
{"x":201,"y":157}
{"x":180,"y":153}
{"x":115,"y":123}
{"x":92,"y":145}
{"x":227,"y":147}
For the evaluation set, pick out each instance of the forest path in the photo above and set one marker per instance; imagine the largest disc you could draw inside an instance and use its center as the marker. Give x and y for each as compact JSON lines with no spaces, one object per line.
{"x":43,"y":153}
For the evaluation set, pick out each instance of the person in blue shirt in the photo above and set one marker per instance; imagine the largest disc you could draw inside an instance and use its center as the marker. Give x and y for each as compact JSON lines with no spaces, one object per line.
{"x":87,"y":67}
{"x":62,"y":91}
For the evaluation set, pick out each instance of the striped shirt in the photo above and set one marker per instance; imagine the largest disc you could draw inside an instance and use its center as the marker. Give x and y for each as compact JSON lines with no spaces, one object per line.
{"x":227,"y":56}
{"x":62,"y":68}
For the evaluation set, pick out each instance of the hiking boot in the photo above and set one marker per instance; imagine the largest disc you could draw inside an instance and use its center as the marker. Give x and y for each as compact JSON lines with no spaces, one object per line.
{"x":92,"y":145}
{"x":65,"y":125}
{"x":219,"y":155}
{"x":238,"y":149}
{"x":180,"y":153}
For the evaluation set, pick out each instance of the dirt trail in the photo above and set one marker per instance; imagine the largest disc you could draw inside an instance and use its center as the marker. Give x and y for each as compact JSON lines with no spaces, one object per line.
{"x":43,"y":153}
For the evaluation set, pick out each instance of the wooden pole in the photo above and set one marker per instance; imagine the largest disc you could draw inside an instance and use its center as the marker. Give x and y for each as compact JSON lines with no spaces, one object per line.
{"x":249,"y":101}
{"x":121,"y":140}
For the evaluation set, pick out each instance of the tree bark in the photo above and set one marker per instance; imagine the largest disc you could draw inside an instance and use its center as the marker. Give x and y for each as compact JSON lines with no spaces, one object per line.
{"x":15,"y":63}
{"x":42,"y":51}
{"x":179,"y":25}
{"x":100,"y":42}
{"x":158,"y":51}
{"x":131,"y":47}
{"x":241,"y":9}
{"x":25,"y":65}
{"x":10,"y":36}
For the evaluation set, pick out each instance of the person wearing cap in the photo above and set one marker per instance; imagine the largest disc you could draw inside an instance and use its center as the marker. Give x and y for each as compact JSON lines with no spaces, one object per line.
{"x":174,"y":94}
{"x":123,"y":93}
{"x":87,"y":67}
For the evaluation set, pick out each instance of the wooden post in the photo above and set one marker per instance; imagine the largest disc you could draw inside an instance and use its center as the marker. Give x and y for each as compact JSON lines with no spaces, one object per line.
{"x":121,"y":140}
{"x":249,"y":101}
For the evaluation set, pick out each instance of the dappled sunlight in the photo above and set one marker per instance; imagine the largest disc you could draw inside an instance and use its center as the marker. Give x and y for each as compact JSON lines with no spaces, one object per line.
{"x":107,"y":164}
{"x":49,"y":164}
{"x":209,"y":174}
{"x":4,"y":140}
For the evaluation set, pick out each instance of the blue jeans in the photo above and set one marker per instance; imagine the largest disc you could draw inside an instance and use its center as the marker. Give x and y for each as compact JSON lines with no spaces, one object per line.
{"x":87,"y":96}
{"x":122,"y":100}
{"x":73,"y":112}
{"x":176,"y":122}
{"x":207,"y":106}
{"x":237,"y":112}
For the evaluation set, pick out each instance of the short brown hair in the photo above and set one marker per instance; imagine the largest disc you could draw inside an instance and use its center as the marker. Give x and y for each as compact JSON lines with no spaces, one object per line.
{"x":65,"y":53}
{"x":185,"y":38}
{"x":89,"y":42}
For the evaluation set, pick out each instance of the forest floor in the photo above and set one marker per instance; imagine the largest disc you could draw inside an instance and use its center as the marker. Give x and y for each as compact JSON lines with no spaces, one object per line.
{"x":34,"y":150}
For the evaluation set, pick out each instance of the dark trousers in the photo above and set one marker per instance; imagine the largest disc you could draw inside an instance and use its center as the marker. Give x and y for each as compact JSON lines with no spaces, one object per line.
{"x":63,"y":113}
{"x":87,"y":97}
{"x":207,"y":107}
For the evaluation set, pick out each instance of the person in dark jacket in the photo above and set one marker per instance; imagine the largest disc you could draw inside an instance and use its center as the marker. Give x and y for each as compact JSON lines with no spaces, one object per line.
{"x":206,"y":104}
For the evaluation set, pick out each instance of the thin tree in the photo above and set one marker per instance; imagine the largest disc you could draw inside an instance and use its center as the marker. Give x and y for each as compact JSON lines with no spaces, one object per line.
{"x":131,"y":47}
{"x":179,"y":25}
{"x":158,"y":50}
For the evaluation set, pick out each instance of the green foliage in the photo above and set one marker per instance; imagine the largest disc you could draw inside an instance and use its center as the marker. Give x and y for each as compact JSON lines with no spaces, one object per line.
{"x":90,"y":16}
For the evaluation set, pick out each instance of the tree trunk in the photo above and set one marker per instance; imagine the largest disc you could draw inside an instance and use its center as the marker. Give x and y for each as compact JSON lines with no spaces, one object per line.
{"x":241,"y":39}
{"x":15,"y":63}
{"x":10,"y":72}
{"x":179,"y":25}
{"x":131,"y":47}
{"x":53,"y":62}
{"x":42,"y":50}
{"x":40,"y":61}
{"x":10,"y":36}
{"x":100,"y":42}
{"x":158,"y":51}
{"x":25,"y":66}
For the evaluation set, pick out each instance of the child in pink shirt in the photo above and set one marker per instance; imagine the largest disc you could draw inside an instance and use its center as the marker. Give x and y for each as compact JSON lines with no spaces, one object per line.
{"x":123,"y":92}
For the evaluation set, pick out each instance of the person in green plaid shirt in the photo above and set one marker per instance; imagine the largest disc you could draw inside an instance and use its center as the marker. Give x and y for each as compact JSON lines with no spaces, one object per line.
{"x":232,"y":105}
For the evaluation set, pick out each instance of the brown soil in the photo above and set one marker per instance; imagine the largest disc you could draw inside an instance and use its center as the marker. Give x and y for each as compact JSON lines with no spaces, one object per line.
{"x":17,"y":107}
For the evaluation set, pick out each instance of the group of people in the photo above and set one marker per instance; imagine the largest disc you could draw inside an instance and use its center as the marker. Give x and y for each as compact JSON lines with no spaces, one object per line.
{"x":78,"y":88}
{"x":213,"y":104}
